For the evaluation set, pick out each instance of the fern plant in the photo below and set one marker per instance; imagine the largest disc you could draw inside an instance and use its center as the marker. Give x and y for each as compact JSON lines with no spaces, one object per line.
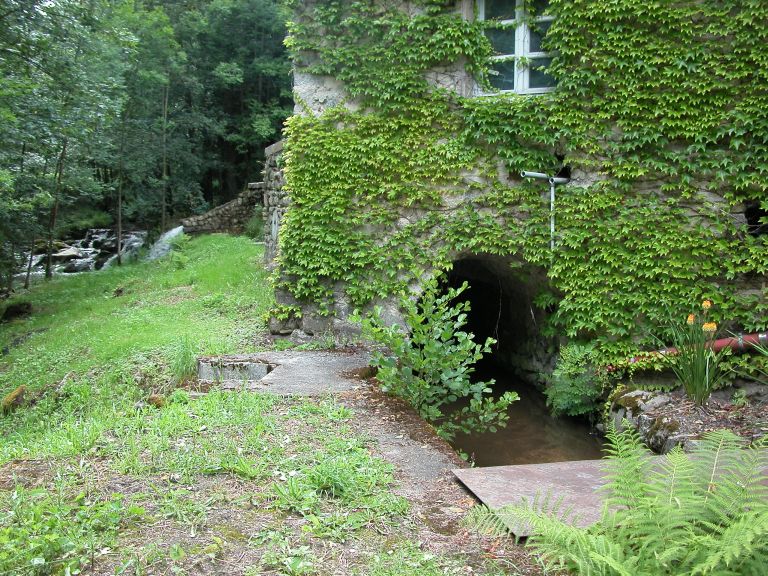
{"x":693,"y":514}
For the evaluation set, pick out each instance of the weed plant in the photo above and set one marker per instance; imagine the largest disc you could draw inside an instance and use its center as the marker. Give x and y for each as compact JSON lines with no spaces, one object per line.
{"x":254,"y":228}
{"x":183,"y":359}
{"x":44,"y":533}
{"x":574,"y":389}
{"x":430,"y":361}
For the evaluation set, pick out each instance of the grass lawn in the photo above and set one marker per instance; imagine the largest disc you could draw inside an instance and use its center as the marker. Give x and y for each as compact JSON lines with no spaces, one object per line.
{"x":96,"y":480}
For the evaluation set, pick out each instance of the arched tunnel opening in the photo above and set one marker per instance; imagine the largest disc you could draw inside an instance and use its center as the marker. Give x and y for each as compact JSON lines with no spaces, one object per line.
{"x":501,"y":294}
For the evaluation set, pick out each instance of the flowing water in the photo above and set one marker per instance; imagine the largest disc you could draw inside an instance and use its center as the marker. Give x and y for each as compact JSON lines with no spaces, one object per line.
{"x":533,"y":436}
{"x":163,"y":244}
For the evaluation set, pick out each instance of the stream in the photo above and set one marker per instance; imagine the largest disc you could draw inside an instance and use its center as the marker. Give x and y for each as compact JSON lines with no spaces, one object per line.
{"x":533,"y":435}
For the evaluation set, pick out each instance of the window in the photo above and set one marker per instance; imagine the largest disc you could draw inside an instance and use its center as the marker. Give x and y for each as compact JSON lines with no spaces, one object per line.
{"x":519,"y":64}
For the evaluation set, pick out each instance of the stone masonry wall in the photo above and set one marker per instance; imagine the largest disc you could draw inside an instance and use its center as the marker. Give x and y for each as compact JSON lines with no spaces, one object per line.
{"x":275,"y":200}
{"x":315,"y":94}
{"x":230,"y":217}
{"x":233,"y":216}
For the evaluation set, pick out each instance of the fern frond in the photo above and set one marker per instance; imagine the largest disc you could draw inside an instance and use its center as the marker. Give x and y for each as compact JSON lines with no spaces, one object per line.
{"x":626,"y":461}
{"x":731,"y":477}
{"x":741,"y":543}
{"x":487,"y":522}
{"x":699,"y":514}
{"x":505,"y":521}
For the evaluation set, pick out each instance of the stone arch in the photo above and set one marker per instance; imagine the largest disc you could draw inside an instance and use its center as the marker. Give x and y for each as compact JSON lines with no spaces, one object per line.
{"x":502,"y":292}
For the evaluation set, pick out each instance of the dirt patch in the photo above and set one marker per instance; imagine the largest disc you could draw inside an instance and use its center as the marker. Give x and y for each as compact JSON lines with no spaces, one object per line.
{"x":748,"y":420}
{"x":26,"y":473}
{"x":179,"y":294}
{"x":19,"y":340}
{"x":424,"y":462}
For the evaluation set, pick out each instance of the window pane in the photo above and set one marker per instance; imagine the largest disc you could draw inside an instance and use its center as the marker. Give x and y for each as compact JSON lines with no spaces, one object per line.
{"x":538,"y":77}
{"x":538,"y":31}
{"x":538,"y":7}
{"x":501,"y":9}
{"x":502,"y":75}
{"x":502,"y":40}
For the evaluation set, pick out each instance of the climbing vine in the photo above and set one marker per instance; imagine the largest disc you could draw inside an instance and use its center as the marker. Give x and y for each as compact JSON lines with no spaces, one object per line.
{"x":661,"y":106}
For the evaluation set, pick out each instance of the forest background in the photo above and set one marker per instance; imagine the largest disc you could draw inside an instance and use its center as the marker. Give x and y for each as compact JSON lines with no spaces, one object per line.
{"x":131,"y":113}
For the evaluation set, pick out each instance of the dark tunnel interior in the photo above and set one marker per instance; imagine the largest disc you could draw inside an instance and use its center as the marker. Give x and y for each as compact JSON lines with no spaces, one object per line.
{"x":501,"y":299}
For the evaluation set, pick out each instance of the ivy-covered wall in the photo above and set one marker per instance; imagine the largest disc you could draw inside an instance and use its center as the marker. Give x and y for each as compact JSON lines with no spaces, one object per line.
{"x":395,"y":170}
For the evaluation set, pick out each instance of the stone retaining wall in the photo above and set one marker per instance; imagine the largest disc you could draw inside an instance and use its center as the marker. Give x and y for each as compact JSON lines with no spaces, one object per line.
{"x":230,"y":217}
{"x":275,"y":200}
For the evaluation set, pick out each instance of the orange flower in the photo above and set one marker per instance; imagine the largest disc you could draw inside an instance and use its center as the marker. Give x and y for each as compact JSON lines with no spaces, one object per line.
{"x":707,"y":304}
{"x":709,"y":327}
{"x":691,"y":319}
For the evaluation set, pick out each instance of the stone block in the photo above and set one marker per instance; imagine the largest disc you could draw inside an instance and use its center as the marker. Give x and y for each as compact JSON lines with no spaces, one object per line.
{"x":217,"y":370}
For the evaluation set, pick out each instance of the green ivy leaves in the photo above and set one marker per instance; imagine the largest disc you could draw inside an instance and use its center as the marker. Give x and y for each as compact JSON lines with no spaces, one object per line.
{"x":665,"y":105}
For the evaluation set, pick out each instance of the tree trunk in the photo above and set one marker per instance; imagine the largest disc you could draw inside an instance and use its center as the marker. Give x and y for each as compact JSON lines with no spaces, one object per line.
{"x":55,"y":211}
{"x":12,"y":268}
{"x":29,"y":263}
{"x":120,"y":193}
{"x":163,"y":221}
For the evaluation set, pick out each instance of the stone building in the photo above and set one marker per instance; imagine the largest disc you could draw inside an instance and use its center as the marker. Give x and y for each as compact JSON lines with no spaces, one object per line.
{"x":655,"y":165}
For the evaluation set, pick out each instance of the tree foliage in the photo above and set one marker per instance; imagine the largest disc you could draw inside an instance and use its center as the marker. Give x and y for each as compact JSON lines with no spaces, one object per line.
{"x":144,"y":110}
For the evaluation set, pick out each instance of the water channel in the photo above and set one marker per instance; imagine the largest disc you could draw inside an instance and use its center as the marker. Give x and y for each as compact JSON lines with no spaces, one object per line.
{"x":533,"y":435}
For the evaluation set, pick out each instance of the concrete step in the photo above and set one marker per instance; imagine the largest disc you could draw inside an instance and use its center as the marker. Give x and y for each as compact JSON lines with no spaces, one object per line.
{"x":232,"y":369}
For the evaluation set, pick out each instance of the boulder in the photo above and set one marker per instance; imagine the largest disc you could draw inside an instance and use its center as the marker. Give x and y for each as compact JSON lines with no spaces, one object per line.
{"x":16,"y":310}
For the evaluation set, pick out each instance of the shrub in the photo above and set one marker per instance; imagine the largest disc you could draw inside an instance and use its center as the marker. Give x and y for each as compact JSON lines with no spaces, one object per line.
{"x":573,"y":389}
{"x":429,"y":363}
{"x":703,"y":513}
{"x":254,"y":228}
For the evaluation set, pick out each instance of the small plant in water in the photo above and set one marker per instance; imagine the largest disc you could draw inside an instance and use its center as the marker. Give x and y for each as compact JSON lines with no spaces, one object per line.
{"x":429,"y":363}
{"x":694,"y":360}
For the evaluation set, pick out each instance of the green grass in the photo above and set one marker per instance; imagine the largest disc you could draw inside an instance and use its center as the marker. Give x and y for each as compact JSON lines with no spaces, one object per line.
{"x":119,"y":334}
{"x":121,"y":486}
{"x":86,"y":325}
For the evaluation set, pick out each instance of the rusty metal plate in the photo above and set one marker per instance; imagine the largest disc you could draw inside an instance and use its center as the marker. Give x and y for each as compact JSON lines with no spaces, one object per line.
{"x":577,"y":482}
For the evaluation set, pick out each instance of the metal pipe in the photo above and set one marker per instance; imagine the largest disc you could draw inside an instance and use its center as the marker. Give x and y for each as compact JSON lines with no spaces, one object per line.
{"x":552,"y":187}
{"x":739,"y":343}
{"x":539,"y":175}
{"x":554,"y":181}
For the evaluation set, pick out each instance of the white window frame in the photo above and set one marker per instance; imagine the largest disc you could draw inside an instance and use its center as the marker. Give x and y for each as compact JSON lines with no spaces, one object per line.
{"x":522,"y":55}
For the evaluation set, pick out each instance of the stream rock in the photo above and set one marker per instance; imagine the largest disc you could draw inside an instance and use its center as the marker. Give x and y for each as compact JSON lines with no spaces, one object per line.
{"x":659,"y":432}
{"x":94,"y":252}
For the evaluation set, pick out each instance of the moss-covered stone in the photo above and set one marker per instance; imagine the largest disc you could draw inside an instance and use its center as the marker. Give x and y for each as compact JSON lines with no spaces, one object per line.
{"x":13,"y":400}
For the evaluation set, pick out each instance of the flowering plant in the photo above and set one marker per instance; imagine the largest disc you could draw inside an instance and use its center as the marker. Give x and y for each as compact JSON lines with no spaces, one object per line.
{"x":693,"y":358}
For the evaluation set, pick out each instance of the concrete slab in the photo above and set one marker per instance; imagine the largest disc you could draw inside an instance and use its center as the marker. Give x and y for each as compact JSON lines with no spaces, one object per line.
{"x":221,"y":369}
{"x":303,"y":373}
{"x":577,"y":482}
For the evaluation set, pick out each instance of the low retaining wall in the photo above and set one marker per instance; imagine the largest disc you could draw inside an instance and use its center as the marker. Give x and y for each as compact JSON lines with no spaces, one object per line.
{"x":230,"y":217}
